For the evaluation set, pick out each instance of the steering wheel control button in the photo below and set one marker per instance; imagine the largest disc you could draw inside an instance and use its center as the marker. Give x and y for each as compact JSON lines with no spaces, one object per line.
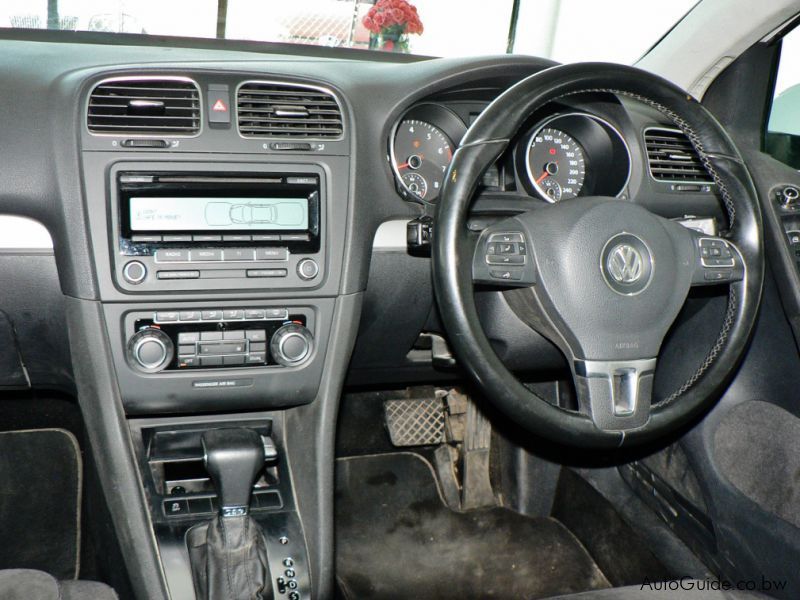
{"x":501,"y":257}
{"x":626,"y":264}
{"x":500,"y":250}
{"x":507,"y":237}
{"x":307,"y":269}
{"x":506,"y":274}
{"x":715,"y":252}
{"x":134,"y":272}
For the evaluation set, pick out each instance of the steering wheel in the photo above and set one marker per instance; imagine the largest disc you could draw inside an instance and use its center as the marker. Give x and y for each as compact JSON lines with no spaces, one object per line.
{"x":602,"y":278}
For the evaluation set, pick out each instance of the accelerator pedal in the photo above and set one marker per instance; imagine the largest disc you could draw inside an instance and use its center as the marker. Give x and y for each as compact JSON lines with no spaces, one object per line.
{"x":416,"y":421}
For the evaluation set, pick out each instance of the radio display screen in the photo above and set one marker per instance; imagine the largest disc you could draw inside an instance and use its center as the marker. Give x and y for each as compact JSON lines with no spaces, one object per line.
{"x":159,"y":213}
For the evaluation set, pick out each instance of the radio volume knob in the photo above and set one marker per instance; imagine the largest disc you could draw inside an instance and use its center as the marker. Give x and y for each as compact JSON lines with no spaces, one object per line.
{"x":150,"y":350}
{"x":291,"y":345}
{"x":134,"y":272}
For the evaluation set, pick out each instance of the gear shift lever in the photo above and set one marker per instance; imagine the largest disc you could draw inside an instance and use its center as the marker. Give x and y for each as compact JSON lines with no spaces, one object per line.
{"x":229,"y":553}
{"x":233,"y":458}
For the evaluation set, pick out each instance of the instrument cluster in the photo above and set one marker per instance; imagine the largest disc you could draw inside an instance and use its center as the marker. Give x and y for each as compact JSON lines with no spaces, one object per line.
{"x":562,"y":155}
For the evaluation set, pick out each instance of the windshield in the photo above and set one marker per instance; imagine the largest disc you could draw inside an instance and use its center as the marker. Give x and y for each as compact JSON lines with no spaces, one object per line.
{"x":564,"y":30}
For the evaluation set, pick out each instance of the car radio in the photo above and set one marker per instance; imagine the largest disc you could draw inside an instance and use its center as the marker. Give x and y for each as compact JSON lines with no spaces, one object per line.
{"x":184,"y":229}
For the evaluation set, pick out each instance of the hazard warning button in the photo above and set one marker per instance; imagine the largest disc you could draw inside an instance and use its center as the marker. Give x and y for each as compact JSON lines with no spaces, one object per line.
{"x":219,"y":104}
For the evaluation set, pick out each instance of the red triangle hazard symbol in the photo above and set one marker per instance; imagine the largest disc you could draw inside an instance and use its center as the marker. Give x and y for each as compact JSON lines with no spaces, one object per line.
{"x":219,"y":106}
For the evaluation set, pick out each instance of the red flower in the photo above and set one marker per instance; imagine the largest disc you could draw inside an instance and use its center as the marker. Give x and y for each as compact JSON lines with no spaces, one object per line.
{"x":391,"y":13}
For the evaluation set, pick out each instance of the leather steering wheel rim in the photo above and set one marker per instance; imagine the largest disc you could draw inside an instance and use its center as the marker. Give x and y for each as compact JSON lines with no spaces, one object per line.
{"x":453,"y":249}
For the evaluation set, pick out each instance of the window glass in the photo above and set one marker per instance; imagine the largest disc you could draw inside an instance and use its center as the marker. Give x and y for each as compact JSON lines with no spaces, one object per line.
{"x":783,"y":127}
{"x":565,"y":30}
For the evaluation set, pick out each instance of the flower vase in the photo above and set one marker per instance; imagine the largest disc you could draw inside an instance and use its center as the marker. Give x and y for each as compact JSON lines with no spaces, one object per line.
{"x":392,"y":40}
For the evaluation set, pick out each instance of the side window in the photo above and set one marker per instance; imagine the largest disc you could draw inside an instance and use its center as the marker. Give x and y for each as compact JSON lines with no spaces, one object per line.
{"x":783,"y":127}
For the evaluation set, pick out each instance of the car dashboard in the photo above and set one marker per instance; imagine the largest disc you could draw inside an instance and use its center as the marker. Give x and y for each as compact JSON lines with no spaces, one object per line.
{"x":226,"y":240}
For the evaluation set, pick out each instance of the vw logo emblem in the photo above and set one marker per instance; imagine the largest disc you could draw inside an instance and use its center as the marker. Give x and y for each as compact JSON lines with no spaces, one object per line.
{"x":626,"y":264}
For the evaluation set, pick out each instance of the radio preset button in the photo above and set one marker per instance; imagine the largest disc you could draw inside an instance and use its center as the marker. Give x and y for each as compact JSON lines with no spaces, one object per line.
{"x":267,"y":272}
{"x":206,"y":255}
{"x":170,"y":255}
{"x":272,"y":254}
{"x":178,"y":274}
{"x":271,"y":237}
{"x":236,"y":238}
{"x":294,"y":237}
{"x":232,"y":315}
{"x":212,"y":315}
{"x":238,"y":254}
{"x":207,"y":238}
{"x":134,"y":272}
{"x":145,"y":238}
{"x":177,"y":238}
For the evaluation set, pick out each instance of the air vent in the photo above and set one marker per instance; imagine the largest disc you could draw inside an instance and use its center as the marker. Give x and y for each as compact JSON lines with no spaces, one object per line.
{"x":672,"y":157}
{"x":290,"y":111}
{"x":145,"y":106}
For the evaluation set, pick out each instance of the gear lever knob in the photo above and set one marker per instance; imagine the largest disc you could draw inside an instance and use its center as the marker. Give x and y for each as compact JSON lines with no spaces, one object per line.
{"x":233,"y":457}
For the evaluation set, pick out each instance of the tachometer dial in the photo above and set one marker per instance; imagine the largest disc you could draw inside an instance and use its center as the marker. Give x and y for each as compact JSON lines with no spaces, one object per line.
{"x":422,"y":154}
{"x":556,"y":164}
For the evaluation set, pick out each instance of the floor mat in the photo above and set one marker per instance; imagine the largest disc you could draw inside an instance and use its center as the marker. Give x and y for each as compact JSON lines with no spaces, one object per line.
{"x":395,"y":539}
{"x":40,"y":497}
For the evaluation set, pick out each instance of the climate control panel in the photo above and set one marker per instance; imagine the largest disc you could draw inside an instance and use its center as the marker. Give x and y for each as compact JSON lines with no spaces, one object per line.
{"x":217,"y":338}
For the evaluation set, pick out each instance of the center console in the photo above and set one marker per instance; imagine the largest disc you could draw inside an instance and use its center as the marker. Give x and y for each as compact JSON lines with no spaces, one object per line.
{"x":219,"y":261}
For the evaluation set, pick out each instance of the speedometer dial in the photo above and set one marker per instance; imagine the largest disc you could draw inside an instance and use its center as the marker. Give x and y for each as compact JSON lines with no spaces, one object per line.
{"x":421,"y":155}
{"x":556,"y":164}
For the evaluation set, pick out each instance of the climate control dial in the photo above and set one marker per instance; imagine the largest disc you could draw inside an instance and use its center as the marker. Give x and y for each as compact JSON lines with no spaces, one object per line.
{"x":150,"y":350}
{"x":291,"y":345}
